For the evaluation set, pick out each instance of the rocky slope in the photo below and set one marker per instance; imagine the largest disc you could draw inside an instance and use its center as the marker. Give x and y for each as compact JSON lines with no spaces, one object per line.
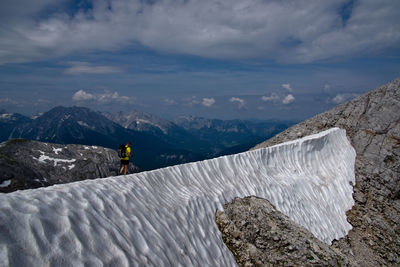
{"x":8,"y":122}
{"x":28,"y":164}
{"x":372,"y":123}
{"x":230,"y":136}
{"x":259,"y":235}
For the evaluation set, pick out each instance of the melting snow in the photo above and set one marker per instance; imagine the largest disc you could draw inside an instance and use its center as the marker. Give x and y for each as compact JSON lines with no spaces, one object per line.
{"x":57,"y":150}
{"x":43,"y":158}
{"x":5,"y":115}
{"x":5,"y":183}
{"x":82,"y":123}
{"x":166,"y":217}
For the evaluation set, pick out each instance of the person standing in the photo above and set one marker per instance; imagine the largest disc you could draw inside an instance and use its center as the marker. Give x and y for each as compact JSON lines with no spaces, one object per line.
{"x":125,"y":160}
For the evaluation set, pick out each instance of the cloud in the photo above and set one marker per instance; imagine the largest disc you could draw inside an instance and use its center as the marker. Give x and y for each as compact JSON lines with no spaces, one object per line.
{"x":208,"y":102}
{"x":106,"y":97}
{"x":315,"y":30}
{"x":327,"y":88}
{"x":169,"y":101}
{"x":191,"y":101}
{"x":112,"y":97}
{"x":288,"y":99}
{"x":241,"y":103}
{"x":82,"y":96}
{"x":7,"y":100}
{"x":78,"y":68}
{"x":287,"y":87}
{"x":341,"y":98}
{"x":338,"y":99}
{"x":272,"y":98}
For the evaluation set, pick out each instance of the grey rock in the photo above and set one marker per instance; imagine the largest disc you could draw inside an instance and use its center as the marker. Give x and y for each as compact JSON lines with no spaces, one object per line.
{"x":372,"y":123}
{"x":28,"y":164}
{"x":289,"y":244}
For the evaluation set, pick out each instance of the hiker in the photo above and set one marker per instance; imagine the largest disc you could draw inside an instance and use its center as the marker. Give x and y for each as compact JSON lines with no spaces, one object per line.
{"x":124,"y":153}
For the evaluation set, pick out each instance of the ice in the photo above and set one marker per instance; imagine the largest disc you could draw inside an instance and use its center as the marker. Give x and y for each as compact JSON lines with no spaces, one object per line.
{"x":166,"y":217}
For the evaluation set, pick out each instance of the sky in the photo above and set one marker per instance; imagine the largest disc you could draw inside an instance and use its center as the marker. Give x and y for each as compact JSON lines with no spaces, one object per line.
{"x":244,"y":59}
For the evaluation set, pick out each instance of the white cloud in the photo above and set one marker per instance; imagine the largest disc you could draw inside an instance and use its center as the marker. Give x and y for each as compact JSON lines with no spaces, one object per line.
{"x":7,"y":100}
{"x":241,"y":103}
{"x":112,"y":97}
{"x":315,"y":30}
{"x":86,"y":68}
{"x":338,"y":99}
{"x":194,"y":101}
{"x":208,"y":102}
{"x":327,"y":88}
{"x":287,"y":87}
{"x":288,"y":99}
{"x":82,"y":96}
{"x":191,"y":101}
{"x":272,"y":98}
{"x":341,"y":98}
{"x":169,"y":101}
{"x":106,"y":97}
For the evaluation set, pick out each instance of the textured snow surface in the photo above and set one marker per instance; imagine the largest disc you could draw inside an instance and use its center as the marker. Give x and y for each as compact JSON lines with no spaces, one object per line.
{"x":166,"y":217}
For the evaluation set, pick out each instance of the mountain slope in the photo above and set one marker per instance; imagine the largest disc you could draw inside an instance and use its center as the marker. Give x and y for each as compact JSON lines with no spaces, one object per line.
{"x":229,"y":136}
{"x":8,"y":121}
{"x":372,"y":123}
{"x":26,"y":164}
{"x":167,"y":131}
{"x":166,"y":217}
{"x":79,"y":125}
{"x":209,"y":137}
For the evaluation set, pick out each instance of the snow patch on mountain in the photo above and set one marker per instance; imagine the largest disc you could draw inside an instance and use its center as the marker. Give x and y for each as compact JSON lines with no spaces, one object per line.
{"x":43,"y":158}
{"x":57,"y":150}
{"x":5,"y":183}
{"x":164,"y":130}
{"x":166,"y":217}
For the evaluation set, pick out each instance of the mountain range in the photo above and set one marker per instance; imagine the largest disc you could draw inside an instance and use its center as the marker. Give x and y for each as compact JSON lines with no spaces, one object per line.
{"x":166,"y":217}
{"x":156,"y":142}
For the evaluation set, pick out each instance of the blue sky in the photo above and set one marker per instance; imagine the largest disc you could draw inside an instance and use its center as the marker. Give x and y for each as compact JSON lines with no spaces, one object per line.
{"x":221,"y":59}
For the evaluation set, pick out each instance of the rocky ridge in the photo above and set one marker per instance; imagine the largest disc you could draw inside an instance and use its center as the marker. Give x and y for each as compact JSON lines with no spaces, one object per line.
{"x":259,"y":235}
{"x":28,"y":164}
{"x":372,"y":124}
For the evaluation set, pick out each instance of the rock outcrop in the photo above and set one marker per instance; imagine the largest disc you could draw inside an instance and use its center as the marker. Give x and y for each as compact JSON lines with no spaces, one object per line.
{"x":28,"y":164}
{"x":259,"y":235}
{"x":372,"y":123}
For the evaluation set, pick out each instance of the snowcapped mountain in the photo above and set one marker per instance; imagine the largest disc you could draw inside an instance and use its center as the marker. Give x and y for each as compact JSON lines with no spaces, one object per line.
{"x":166,"y":217}
{"x":26,"y":164}
{"x":142,"y":121}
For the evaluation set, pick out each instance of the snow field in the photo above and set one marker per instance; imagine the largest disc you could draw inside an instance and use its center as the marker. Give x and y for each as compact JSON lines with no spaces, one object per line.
{"x":166,"y":217}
